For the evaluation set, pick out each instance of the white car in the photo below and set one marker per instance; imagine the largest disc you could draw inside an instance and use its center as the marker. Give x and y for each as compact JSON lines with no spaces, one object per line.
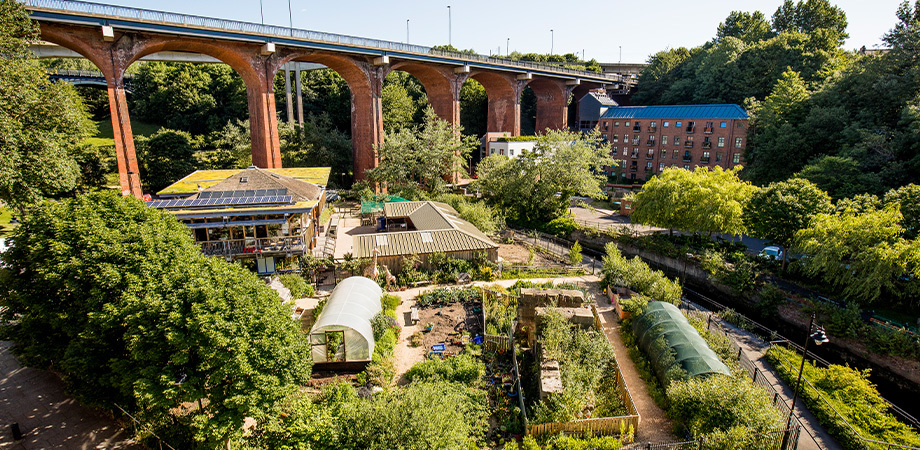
{"x":772,"y":252}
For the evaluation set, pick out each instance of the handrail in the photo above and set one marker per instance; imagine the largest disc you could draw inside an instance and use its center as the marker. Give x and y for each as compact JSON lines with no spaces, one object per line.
{"x":187,"y":20}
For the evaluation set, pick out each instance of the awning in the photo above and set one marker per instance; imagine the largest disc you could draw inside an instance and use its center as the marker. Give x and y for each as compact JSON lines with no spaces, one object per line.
{"x":240,"y":223}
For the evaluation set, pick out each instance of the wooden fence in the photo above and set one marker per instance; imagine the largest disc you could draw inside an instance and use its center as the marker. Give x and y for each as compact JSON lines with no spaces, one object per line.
{"x":496,"y":343}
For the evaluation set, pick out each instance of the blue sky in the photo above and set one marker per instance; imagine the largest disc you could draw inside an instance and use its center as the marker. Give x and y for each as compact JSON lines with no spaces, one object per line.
{"x":597,"y":28}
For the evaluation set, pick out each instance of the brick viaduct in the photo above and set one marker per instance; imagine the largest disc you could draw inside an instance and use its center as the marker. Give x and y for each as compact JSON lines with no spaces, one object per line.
{"x":113,"y":50}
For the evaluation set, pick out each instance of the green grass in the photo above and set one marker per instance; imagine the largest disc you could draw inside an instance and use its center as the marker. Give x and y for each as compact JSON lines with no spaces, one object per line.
{"x":138,"y":128}
{"x":5,"y":216}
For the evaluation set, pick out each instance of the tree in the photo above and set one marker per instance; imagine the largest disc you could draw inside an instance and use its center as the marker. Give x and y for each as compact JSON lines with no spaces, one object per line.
{"x":863,"y":253}
{"x":703,"y":200}
{"x":474,"y":108}
{"x":165,"y":157}
{"x":781,"y":209}
{"x":908,"y":200}
{"x":119,"y":299}
{"x":317,"y":144}
{"x":423,"y":157}
{"x":904,"y":38}
{"x":812,"y":17}
{"x":840,"y":177}
{"x":749,"y":27}
{"x":535,"y":187}
{"x":575,"y":257}
{"x":41,"y":122}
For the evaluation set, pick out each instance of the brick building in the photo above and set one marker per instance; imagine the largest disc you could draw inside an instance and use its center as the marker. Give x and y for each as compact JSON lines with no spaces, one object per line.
{"x":647,"y":139}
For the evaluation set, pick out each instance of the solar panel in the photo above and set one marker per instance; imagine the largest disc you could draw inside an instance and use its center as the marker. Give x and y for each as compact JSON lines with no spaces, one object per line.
{"x":287,"y":198}
{"x":282,"y":191}
{"x":239,"y":193}
{"x":270,"y":191}
{"x":260,"y":193}
{"x":204,"y":195}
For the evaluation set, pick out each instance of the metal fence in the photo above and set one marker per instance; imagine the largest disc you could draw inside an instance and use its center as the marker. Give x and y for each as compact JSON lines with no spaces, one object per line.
{"x":555,"y":246}
{"x":767,"y":440}
{"x":187,"y":20}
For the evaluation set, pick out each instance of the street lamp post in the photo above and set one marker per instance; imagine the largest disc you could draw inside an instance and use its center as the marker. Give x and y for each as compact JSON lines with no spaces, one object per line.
{"x":507,"y":45}
{"x":820,"y":338}
{"x":290,"y":17}
{"x":551,"y":39}
{"x":407,"y":31}
{"x":449,"y":27}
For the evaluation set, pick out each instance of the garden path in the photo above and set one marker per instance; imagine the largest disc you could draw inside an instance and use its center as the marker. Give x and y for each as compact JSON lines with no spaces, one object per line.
{"x":654,"y":425}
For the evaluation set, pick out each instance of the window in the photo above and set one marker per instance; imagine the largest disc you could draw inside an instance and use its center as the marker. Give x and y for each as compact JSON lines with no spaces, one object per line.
{"x":691,"y":127}
{"x":740,"y":125}
{"x":721,"y":142}
{"x":652,"y":126}
{"x":675,"y":155}
{"x":492,"y":151}
{"x":650,"y":154}
{"x":738,"y":142}
{"x":426,"y":237}
{"x":705,"y":158}
{"x":723,"y":124}
{"x":635,"y":153}
{"x":660,"y":167}
{"x":687,"y":155}
{"x":511,"y":151}
{"x":637,"y":127}
{"x":664,"y":140}
{"x":718,"y":156}
{"x":686,"y":166}
{"x":666,"y":124}
{"x":626,"y":124}
{"x":664,"y":153}
{"x":625,"y":151}
{"x":607,"y":124}
{"x":244,"y":179}
{"x":677,"y":124}
{"x":648,"y":166}
{"x":736,"y":158}
{"x":501,"y":151}
{"x":623,"y":164}
{"x":616,"y":124}
{"x":651,"y":140}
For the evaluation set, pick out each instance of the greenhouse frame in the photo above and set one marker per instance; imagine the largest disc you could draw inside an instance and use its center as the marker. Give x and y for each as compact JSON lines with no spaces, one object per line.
{"x":343,"y":331}
{"x":670,"y":342}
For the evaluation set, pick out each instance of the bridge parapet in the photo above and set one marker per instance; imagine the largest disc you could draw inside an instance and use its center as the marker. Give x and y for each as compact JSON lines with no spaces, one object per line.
{"x":292,"y":35}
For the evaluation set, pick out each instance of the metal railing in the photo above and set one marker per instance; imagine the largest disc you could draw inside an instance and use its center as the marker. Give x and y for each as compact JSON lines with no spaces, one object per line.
{"x":235,"y":247}
{"x":773,"y":439}
{"x":187,"y":20}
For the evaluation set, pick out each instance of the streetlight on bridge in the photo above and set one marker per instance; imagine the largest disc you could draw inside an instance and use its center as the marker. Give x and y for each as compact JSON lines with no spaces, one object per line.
{"x":407,"y":31}
{"x":551,"y":39}
{"x":449,"y":27}
{"x":507,"y":44}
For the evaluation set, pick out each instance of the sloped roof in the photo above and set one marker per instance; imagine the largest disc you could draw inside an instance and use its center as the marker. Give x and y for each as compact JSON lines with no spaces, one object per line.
{"x":603,"y":99}
{"x":207,"y":178}
{"x":676,"y":112}
{"x":256,"y":178}
{"x":438,"y":228}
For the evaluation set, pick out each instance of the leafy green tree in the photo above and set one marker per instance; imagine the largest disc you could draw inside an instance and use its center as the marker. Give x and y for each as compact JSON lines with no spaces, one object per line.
{"x":840,"y":177}
{"x":863,"y":253}
{"x":41,"y":123}
{"x":908,"y":201}
{"x":197,"y":98}
{"x":749,"y":27}
{"x":535,"y":188}
{"x":575,"y":254}
{"x":779,"y":210}
{"x":317,"y":144}
{"x":398,"y":108}
{"x":119,"y":299}
{"x":721,"y":403}
{"x":474,"y":108}
{"x":703,"y":200}
{"x":165,"y":157}
{"x":423,"y":157}
{"x":812,"y":17}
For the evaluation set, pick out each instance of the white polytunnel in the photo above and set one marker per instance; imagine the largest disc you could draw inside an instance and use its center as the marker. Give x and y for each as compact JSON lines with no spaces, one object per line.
{"x":343,"y":330}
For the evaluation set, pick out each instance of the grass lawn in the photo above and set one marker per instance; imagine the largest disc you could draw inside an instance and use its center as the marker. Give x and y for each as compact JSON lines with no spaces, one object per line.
{"x":138,"y":128}
{"x":5,"y":216}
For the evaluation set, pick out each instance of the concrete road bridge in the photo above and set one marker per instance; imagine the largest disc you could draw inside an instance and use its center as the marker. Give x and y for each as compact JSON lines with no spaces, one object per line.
{"x":114,"y":37}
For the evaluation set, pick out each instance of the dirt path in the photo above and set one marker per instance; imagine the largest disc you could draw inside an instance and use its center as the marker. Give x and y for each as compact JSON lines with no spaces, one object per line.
{"x":654,"y":425}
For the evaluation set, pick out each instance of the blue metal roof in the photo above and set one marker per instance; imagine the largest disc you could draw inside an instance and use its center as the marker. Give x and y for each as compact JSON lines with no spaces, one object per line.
{"x":676,"y":112}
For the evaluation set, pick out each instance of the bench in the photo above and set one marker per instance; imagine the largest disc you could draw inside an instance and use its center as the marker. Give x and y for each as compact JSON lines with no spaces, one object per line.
{"x":414,"y":315}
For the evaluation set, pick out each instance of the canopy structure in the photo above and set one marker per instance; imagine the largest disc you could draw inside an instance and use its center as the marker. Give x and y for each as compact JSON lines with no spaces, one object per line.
{"x":343,"y":330}
{"x":670,"y":342}
{"x":370,"y":206}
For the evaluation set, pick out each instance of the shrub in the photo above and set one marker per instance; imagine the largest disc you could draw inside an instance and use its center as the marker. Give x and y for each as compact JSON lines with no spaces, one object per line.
{"x":638,"y":276}
{"x":718,"y":402}
{"x":635,"y":304}
{"x":297,"y":285}
{"x":446,"y":296}
{"x":561,"y":226}
{"x":463,"y":368}
{"x":575,"y":257}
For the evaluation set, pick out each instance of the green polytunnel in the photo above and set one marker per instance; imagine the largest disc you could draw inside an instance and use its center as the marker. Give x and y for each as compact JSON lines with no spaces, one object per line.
{"x":670,"y":342}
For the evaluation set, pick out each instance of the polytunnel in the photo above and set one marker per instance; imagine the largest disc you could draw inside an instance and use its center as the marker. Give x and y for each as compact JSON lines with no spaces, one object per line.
{"x":663,"y":332}
{"x":343,"y":330}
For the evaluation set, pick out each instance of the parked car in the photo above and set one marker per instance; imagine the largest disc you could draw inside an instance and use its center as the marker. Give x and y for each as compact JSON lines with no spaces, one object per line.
{"x":772,"y":253}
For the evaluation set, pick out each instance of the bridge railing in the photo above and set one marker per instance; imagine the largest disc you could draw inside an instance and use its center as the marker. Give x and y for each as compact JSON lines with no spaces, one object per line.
{"x":187,"y":20}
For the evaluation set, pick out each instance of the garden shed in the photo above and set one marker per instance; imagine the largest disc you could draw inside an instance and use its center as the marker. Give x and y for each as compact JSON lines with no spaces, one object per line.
{"x":670,"y":342}
{"x":343,"y":332}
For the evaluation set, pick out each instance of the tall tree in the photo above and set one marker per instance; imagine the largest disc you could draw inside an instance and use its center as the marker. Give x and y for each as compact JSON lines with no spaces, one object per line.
{"x":908,"y":200}
{"x":119,"y":299}
{"x":535,"y":187}
{"x":317,"y":144}
{"x":749,"y":27}
{"x":424,"y":156}
{"x":165,"y":157}
{"x":812,"y":17}
{"x":41,"y":123}
{"x":863,"y":253}
{"x":781,"y":209}
{"x":703,"y":200}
